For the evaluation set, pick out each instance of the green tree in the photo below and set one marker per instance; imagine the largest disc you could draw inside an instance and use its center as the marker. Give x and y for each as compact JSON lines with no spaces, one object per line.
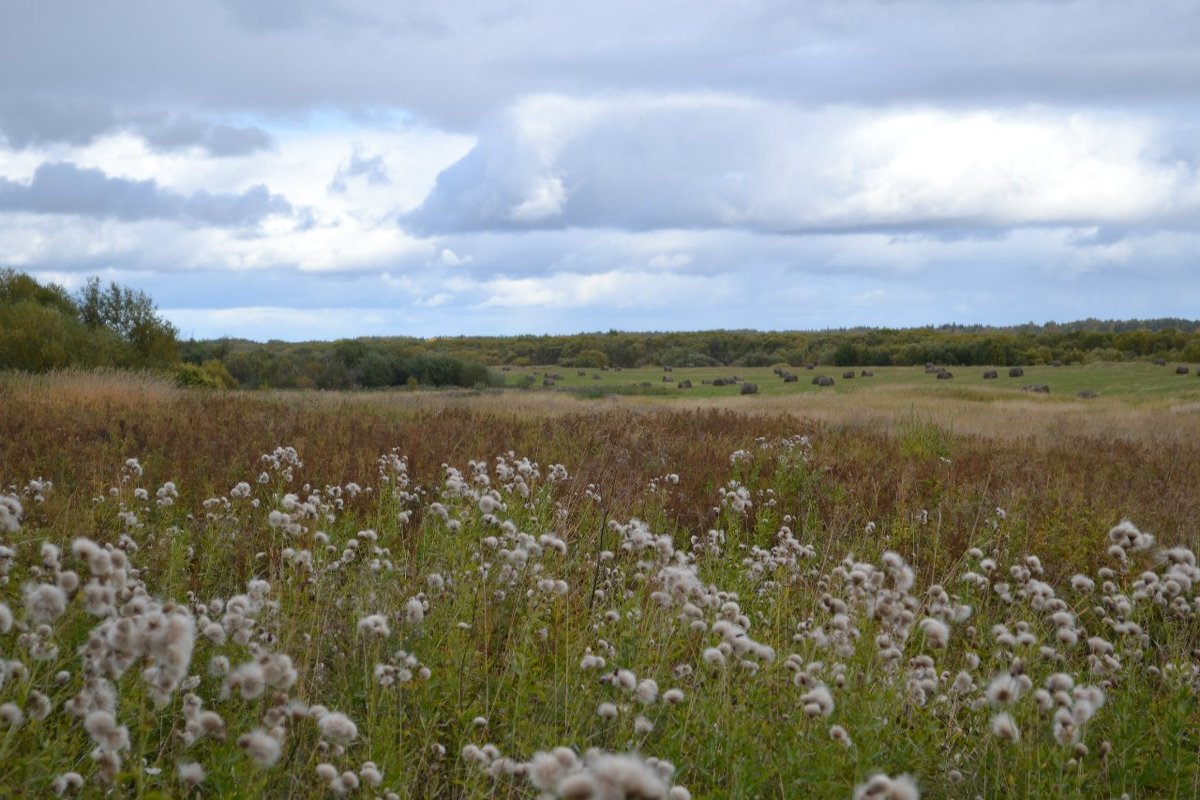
{"x":132,"y":316}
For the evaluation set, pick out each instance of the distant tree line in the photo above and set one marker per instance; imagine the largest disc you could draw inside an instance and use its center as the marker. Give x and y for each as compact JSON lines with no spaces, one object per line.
{"x":344,"y":364}
{"x":1077,"y":342}
{"x":45,"y":327}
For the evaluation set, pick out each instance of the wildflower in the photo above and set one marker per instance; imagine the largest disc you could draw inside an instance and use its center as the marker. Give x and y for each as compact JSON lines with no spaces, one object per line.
{"x":714,"y":656}
{"x":673,"y":696}
{"x":545,"y":770}
{"x":414,"y":610}
{"x":606,"y":710}
{"x":44,"y":603}
{"x":839,"y":735}
{"x":818,"y":701}
{"x":38,"y":705}
{"x":190,"y":774}
{"x":104,"y":730}
{"x":11,"y":715}
{"x":1003,"y":690}
{"x":1003,"y":727}
{"x":882,"y":787}
{"x":937,"y":633}
{"x":337,"y":728}
{"x":375,"y":624}
{"x":607,"y":775}
{"x":247,"y":679}
{"x":10,"y":513}
{"x":370,"y":774}
{"x":261,"y":747}
{"x":67,"y":782}
{"x":642,"y":725}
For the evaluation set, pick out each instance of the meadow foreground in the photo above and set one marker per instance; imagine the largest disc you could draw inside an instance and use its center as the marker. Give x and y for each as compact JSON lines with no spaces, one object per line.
{"x":288,"y":595}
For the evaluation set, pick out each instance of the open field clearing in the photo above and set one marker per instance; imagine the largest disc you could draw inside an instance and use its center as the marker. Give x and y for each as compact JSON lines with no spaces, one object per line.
{"x":892,"y":585}
{"x":1131,"y":382}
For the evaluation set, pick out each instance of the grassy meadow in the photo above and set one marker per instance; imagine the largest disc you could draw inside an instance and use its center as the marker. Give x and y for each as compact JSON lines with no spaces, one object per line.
{"x":1129,"y":381}
{"x":892,"y":586}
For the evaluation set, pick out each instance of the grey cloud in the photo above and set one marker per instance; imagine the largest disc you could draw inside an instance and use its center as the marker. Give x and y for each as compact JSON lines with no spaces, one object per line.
{"x":64,"y":188}
{"x":371,"y":169}
{"x":454,"y":62}
{"x":28,"y":120}
{"x":163,"y":132}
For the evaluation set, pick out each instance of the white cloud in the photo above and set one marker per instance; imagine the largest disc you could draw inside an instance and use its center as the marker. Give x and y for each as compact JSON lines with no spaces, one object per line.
{"x":651,"y":161}
{"x":618,"y":289}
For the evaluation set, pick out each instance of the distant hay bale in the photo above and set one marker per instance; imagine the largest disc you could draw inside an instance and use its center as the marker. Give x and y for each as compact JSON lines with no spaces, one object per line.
{"x":866,"y":373}
{"x":790,"y":378}
{"x":1086,"y":394}
{"x":719,"y":382}
{"x":666,"y":368}
{"x":848,"y":374}
{"x":547,"y":382}
{"x":668,"y":379}
{"x":749,"y":388}
{"x":823,"y":380}
{"x":989,"y":374}
{"x":944,"y":374}
{"x":1016,"y":372}
{"x":1181,"y":370}
{"x":810,"y":366}
{"x":1036,"y":388}
{"x":685,"y":384}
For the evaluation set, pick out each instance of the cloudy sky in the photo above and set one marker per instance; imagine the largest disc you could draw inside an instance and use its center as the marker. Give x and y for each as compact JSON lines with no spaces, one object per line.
{"x":304,"y":169}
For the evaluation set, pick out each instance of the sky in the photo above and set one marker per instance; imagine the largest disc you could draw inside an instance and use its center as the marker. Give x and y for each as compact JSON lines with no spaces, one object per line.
{"x":318,"y":169}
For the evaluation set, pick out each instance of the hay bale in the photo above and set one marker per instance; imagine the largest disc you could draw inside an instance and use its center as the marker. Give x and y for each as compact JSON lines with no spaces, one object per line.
{"x":719,"y":382}
{"x":685,"y":384}
{"x":790,"y":378}
{"x":823,"y":380}
{"x":1016,"y":372}
{"x":1036,"y":388}
{"x":848,"y":374}
{"x":944,"y":374}
{"x":989,"y":374}
{"x":866,"y":373}
{"x":749,"y":388}
{"x":1181,"y":370}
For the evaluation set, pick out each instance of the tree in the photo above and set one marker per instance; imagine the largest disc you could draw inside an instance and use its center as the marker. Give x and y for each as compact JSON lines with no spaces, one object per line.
{"x":131,"y":315}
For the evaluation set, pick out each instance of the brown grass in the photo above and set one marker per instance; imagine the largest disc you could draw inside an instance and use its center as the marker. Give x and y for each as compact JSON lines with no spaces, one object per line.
{"x":888,"y":456}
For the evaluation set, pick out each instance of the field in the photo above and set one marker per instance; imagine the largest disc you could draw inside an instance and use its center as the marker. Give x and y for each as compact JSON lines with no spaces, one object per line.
{"x":1131,"y":382}
{"x":892,"y":585}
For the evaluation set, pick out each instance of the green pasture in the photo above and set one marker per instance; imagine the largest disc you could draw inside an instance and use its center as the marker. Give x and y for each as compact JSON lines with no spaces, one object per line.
{"x":1128,"y":381}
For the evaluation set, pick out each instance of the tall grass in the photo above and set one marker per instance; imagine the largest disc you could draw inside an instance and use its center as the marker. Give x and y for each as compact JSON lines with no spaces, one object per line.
{"x":741,"y":559}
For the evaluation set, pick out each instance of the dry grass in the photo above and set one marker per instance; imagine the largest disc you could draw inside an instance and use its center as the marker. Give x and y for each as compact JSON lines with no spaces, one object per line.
{"x":884,"y":470}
